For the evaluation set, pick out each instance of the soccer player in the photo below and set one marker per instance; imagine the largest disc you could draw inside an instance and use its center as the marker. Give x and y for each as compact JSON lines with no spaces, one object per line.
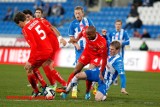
{"x":55,"y":76}
{"x":115,"y":67}
{"x":37,"y":36}
{"x":56,"y":33}
{"x":29,"y":16}
{"x":120,"y":35}
{"x":75,"y":28}
{"x":94,"y":52}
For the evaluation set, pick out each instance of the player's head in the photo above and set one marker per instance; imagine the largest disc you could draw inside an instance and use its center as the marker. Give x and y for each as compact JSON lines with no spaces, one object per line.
{"x":29,"y":14}
{"x":118,"y":25}
{"x":91,"y":32}
{"x":78,"y":13}
{"x":20,"y":19}
{"x":114,"y":48}
{"x":38,"y":13}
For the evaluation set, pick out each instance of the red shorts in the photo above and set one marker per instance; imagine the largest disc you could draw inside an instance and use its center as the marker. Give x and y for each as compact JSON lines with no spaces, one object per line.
{"x":87,"y":58}
{"x":40,"y":60}
{"x":54,"y":54}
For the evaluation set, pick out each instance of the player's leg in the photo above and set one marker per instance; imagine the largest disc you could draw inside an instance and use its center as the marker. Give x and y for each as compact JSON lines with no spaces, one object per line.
{"x":100,"y":97}
{"x":92,"y":75}
{"x":39,"y":77}
{"x":48,"y":73}
{"x":73,"y":82}
{"x":32,"y":81}
{"x":56,"y":75}
{"x":115,"y":82}
{"x":101,"y":93}
{"x":77,"y":69}
{"x":95,"y":62}
{"x":75,"y":88}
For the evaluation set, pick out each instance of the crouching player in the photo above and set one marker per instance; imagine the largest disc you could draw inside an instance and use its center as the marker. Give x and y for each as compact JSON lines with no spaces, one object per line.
{"x":114,"y":68}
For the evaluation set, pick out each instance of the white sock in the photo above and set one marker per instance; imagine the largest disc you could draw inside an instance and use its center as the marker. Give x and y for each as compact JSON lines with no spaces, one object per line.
{"x":74,"y":80}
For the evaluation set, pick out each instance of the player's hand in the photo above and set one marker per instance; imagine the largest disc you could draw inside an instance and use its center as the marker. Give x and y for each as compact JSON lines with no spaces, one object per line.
{"x":27,"y":67}
{"x":77,"y":46}
{"x":123,"y":91}
{"x":63,"y":41}
{"x":104,"y":32}
{"x":72,"y":40}
{"x":101,"y":76}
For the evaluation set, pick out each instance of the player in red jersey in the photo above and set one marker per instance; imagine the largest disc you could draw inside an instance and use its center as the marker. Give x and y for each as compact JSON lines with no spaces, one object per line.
{"x":56,"y":33}
{"x":36,"y":34}
{"x":95,"y":50}
{"x":29,"y":16}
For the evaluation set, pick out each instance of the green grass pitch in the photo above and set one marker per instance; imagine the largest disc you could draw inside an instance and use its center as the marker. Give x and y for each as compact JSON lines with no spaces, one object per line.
{"x":143,"y":88}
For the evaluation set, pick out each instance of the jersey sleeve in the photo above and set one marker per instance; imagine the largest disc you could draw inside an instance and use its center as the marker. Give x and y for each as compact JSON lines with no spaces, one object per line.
{"x":90,"y":22}
{"x":125,"y":39}
{"x":119,"y":67}
{"x":71,"y":30}
{"x":31,"y":41}
{"x":46,"y":22}
{"x":104,"y":54}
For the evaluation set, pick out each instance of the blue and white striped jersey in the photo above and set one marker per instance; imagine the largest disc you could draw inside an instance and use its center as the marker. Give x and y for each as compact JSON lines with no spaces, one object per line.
{"x":122,"y":37}
{"x":115,"y":67}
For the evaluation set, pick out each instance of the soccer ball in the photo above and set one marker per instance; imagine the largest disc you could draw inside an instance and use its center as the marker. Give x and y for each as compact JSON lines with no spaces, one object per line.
{"x":49,"y":93}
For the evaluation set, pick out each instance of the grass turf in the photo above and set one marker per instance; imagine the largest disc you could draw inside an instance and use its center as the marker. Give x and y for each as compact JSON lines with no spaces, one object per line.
{"x":143,"y":88}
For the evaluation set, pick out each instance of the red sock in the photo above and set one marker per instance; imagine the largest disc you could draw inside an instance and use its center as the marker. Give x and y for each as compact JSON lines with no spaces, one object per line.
{"x":88,"y":86}
{"x":32,"y":81}
{"x":39,"y":77}
{"x":70,"y":77}
{"x":58,"y":77}
{"x":49,"y":75}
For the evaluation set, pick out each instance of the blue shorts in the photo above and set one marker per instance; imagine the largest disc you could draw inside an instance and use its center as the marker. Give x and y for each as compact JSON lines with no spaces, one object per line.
{"x":93,"y":75}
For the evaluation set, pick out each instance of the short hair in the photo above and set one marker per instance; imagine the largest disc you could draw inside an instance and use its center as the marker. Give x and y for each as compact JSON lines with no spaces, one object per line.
{"x":116,"y":44}
{"x":91,"y":28}
{"x":118,"y":20}
{"x":40,"y":9}
{"x":27,"y":11}
{"x":19,"y":17}
{"x":79,"y":8}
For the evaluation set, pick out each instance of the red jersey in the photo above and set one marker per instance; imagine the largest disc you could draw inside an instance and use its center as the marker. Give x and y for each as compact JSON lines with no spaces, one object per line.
{"x":96,"y":47}
{"x":35,"y":34}
{"x":53,"y":37}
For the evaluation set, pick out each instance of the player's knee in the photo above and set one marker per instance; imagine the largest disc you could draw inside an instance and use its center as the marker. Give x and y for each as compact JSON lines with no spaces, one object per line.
{"x":98,"y":98}
{"x":77,"y":75}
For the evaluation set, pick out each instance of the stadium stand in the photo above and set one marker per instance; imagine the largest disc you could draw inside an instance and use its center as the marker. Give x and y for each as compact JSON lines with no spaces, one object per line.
{"x":102,"y":19}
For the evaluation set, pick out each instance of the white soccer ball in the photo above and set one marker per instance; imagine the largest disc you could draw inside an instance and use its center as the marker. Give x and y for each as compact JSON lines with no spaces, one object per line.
{"x":49,"y":93}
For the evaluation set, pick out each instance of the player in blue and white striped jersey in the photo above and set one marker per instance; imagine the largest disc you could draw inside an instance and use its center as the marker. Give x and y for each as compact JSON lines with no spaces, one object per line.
{"x":75,"y":28}
{"x":115,"y":67}
{"x":120,"y":35}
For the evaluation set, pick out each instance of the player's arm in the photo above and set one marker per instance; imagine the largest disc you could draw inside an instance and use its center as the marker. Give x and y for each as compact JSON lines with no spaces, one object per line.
{"x":60,"y":38}
{"x":103,"y":52}
{"x":119,"y":67}
{"x":126,"y":39}
{"x":55,"y":30}
{"x":74,"y":40}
